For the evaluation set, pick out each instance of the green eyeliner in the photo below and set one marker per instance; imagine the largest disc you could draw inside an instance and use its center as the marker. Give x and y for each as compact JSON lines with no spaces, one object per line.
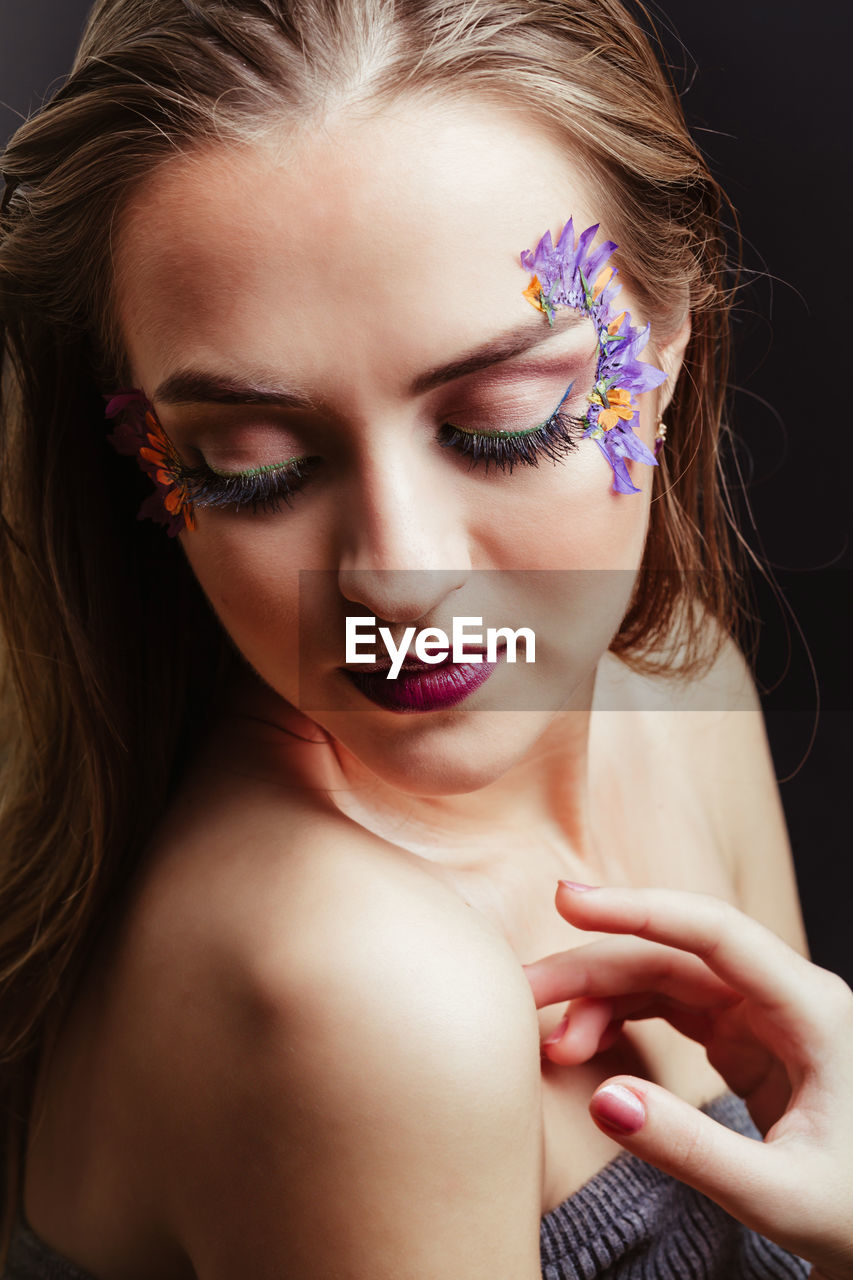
{"x":254,"y":471}
{"x":498,"y":435}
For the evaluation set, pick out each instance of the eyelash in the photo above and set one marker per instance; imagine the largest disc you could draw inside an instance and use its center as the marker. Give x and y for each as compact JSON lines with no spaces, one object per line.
{"x":553,"y":439}
{"x":265,"y":488}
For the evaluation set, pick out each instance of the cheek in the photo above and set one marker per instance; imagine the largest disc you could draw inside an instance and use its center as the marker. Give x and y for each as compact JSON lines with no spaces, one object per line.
{"x":566,"y":516}
{"x":565,"y":521}
{"x":560,"y":517}
{"x":254,"y":590}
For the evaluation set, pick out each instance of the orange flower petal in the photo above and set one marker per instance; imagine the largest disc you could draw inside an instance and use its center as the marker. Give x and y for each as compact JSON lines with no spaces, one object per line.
{"x":613,"y":327}
{"x":173,"y":502}
{"x":189,"y":518}
{"x":533,"y":294}
{"x":157,"y":437}
{"x":602,"y":280}
{"x":608,"y":418}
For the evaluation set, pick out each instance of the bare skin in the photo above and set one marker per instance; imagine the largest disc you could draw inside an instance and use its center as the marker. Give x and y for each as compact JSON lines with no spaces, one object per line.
{"x":216,"y":903}
{"x":308,"y":1043}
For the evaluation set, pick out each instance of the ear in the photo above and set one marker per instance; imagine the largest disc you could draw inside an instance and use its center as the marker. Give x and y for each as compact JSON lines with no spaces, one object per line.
{"x":670,"y":356}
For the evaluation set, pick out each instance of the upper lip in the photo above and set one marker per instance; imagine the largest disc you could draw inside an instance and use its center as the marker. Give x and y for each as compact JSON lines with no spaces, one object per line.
{"x":412,"y":663}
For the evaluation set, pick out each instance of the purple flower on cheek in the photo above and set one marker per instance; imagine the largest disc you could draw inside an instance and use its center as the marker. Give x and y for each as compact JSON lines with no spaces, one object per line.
{"x":573,"y":274}
{"x":617,"y":444}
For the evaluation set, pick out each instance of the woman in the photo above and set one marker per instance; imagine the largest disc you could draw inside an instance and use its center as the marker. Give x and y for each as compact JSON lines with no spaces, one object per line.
{"x":266,"y":913}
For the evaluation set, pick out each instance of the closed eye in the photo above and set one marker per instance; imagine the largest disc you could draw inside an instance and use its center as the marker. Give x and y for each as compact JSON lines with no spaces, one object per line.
{"x":260,"y":488}
{"x":558,"y":436}
{"x":265,"y":488}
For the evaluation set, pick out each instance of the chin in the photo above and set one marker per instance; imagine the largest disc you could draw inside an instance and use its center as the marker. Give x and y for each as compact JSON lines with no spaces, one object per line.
{"x":438,"y":756}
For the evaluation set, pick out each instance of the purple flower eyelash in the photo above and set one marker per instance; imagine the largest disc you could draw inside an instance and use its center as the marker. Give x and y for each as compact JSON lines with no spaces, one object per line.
{"x":573,"y":274}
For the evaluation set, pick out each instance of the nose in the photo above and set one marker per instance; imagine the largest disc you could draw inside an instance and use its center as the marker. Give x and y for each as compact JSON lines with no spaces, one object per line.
{"x":404,"y":543}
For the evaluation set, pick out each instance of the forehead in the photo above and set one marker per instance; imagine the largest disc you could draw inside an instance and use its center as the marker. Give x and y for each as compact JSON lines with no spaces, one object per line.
{"x":394,"y":236}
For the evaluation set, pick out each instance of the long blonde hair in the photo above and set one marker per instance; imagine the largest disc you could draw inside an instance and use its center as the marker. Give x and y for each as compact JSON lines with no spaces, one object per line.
{"x":110,"y":653}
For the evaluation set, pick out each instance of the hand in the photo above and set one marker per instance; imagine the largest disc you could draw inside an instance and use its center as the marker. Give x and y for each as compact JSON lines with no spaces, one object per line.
{"x":776,"y":1027}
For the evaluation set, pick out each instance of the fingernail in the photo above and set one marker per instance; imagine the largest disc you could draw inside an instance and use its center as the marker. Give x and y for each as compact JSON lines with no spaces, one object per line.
{"x":618,"y":1108}
{"x":575,"y":887}
{"x":558,"y":1033}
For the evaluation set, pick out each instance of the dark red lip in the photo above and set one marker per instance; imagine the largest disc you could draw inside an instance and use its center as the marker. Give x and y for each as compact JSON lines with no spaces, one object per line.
{"x":426,"y":687}
{"x":383,"y":665}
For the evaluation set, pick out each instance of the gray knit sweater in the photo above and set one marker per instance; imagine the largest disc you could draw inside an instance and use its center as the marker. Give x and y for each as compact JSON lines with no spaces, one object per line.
{"x":632,"y":1222}
{"x":629,"y":1222}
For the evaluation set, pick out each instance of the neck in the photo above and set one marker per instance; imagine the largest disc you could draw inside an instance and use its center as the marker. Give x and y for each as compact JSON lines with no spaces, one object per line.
{"x":541,"y":799}
{"x":539,"y":806}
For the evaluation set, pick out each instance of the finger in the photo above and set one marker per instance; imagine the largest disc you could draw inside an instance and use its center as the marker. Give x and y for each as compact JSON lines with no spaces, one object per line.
{"x":579,"y":1036}
{"x":746,"y":1177}
{"x":750,"y":1068}
{"x":592,"y":1025}
{"x":743,"y":953}
{"x":620,"y":966}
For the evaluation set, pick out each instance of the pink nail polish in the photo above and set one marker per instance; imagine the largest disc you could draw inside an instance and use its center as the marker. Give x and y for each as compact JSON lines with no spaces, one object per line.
{"x":618,"y":1108}
{"x":575,"y":887}
{"x":557,"y":1033}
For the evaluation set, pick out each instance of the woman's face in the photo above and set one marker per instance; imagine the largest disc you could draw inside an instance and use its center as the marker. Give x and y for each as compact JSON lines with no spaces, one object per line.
{"x":364,"y":279}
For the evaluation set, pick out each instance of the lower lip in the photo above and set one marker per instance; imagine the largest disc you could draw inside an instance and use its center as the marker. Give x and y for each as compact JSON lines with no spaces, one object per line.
{"x":431,"y":689}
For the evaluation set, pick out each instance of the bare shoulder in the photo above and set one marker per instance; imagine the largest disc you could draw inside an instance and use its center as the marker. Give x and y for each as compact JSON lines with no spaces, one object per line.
{"x":346,"y":1076}
{"x":720,"y":684}
{"x":710,"y":730}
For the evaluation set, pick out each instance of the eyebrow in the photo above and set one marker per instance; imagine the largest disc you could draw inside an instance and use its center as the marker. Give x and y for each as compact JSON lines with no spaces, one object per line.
{"x":514,"y":343}
{"x":195,"y":386}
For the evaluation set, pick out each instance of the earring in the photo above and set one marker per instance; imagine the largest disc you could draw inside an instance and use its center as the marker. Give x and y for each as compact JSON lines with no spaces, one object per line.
{"x":660,"y":437}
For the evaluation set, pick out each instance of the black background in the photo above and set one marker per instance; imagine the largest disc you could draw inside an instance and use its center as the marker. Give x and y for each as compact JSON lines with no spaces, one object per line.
{"x":765,"y":89}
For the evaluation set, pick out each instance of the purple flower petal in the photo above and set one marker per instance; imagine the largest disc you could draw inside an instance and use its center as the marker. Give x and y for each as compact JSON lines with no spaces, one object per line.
{"x":567,"y":273}
{"x":584,"y":241}
{"x":645,"y":377}
{"x":597,"y":259}
{"x":622,"y":482}
{"x":628,"y":443}
{"x":566,"y":242}
{"x":120,"y":401}
{"x":127,"y":438}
